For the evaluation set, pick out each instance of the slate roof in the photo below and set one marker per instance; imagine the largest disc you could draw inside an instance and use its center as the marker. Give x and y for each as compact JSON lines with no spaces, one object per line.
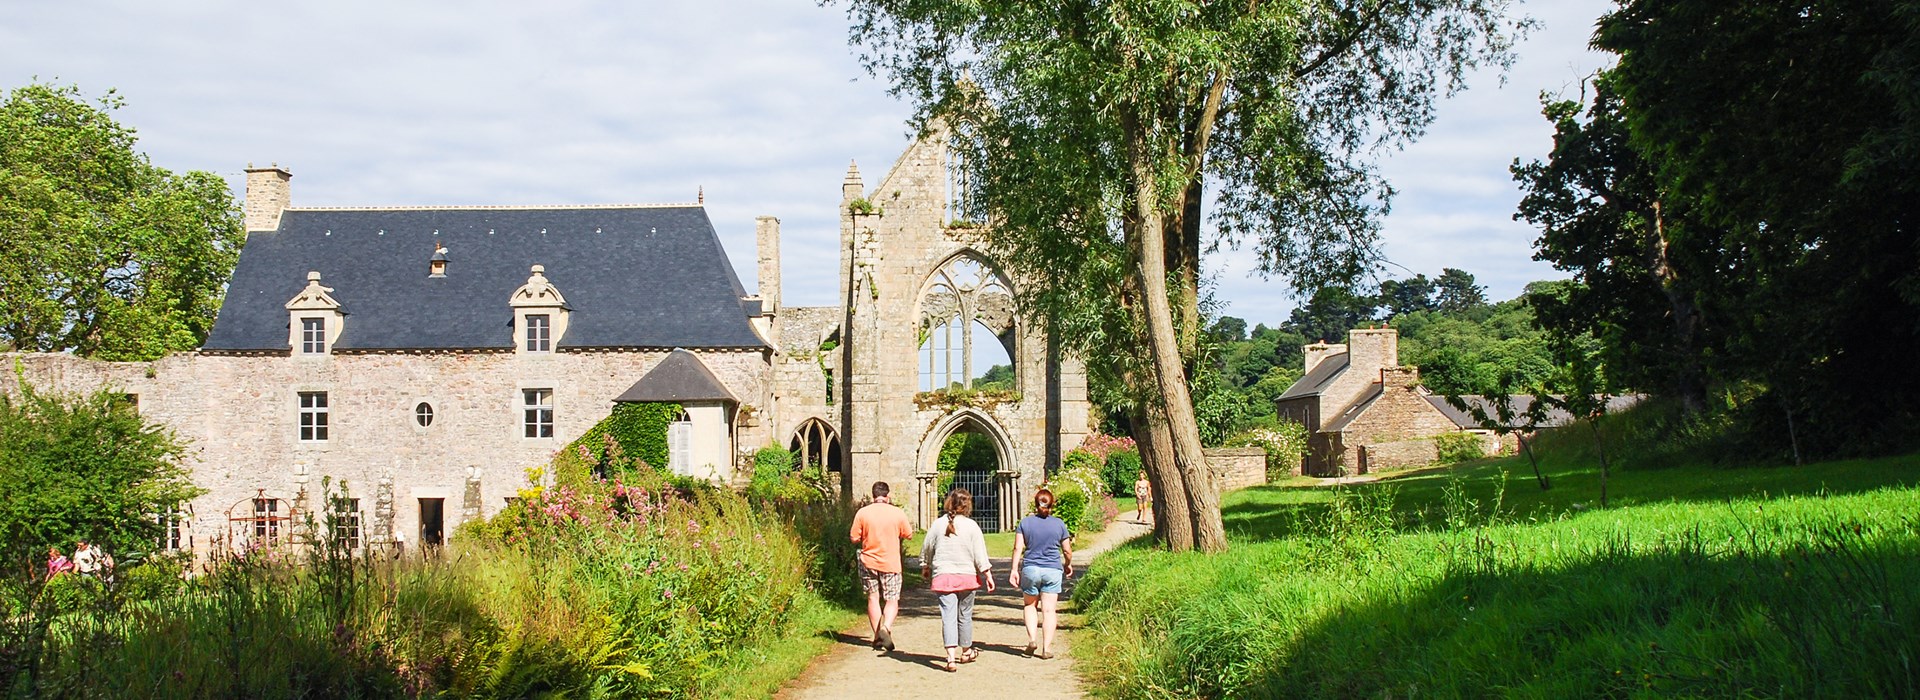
{"x":633,"y":276}
{"x":1316,"y":381}
{"x":680,"y":376}
{"x":1554,"y":416}
{"x":1352,"y":413}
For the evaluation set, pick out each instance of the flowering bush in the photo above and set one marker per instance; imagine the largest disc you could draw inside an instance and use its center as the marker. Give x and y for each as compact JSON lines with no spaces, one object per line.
{"x":1080,"y":495}
{"x":1285,"y":444}
{"x":1102,"y":446}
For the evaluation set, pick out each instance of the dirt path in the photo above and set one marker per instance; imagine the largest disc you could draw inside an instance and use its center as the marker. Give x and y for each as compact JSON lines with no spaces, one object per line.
{"x":853,"y":670}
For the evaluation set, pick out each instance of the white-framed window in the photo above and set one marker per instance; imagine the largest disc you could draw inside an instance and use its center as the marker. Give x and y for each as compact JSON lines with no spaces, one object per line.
{"x":313,"y":335}
{"x":266,"y":520}
{"x":423,"y":414}
{"x":680,"y":444}
{"x":538,"y":413}
{"x":346,"y":523}
{"x":174,"y":534}
{"x":539,"y":333}
{"x":313,"y":416}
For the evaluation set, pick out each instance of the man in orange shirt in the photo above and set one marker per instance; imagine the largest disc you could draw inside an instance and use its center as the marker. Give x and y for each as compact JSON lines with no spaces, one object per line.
{"x":879,"y":528}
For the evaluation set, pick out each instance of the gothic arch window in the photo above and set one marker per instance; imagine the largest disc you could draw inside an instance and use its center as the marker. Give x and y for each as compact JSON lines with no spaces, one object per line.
{"x":966,"y":327}
{"x":815,"y":444}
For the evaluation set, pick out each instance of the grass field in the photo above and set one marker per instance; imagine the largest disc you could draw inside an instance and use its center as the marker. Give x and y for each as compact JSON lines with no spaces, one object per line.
{"x":1775,"y":581}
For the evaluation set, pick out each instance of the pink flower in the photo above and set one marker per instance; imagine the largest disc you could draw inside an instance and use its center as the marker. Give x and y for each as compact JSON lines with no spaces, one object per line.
{"x":668,"y":594}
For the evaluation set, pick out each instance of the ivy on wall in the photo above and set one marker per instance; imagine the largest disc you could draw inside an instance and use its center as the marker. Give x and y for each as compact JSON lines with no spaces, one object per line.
{"x":633,"y":437}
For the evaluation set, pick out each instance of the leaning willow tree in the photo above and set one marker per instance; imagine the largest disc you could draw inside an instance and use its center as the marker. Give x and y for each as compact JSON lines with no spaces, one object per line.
{"x":1092,"y":131}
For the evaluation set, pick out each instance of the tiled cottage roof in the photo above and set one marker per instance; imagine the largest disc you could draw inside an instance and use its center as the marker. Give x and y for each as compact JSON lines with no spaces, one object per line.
{"x":633,"y":276}
{"x":1317,"y":380}
{"x":1554,"y":416}
{"x":681,"y":376}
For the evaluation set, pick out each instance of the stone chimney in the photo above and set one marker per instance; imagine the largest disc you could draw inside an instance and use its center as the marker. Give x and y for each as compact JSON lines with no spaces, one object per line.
{"x":1399,"y":377}
{"x":852,"y":188}
{"x":766,"y":230}
{"x":1373,"y":349}
{"x":268,"y":194}
{"x":1318,"y":352}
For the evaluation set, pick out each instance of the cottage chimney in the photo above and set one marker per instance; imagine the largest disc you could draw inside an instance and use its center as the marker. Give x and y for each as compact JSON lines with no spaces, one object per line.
{"x":268,"y":194}
{"x":1373,"y":349}
{"x":766,"y":230}
{"x":1399,"y":377}
{"x":1319,"y":352}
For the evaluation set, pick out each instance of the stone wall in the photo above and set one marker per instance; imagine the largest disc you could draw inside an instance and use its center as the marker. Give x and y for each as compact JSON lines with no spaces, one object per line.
{"x":1400,"y":413}
{"x":1398,"y":454}
{"x":1237,"y":467}
{"x":240,"y":417}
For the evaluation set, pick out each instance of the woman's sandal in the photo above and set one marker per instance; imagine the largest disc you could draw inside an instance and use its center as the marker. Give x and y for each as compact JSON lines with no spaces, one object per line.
{"x":969,"y":656}
{"x":949,"y":667}
{"x":1031,"y":648}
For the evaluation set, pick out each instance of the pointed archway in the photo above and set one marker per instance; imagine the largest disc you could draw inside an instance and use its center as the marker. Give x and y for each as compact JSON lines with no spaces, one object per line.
{"x":996,"y":494}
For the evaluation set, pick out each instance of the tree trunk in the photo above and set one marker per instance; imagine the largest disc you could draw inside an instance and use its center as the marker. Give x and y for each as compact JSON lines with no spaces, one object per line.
{"x":1793,"y":436}
{"x":1172,"y":523}
{"x":1164,"y":344}
{"x":1690,"y":378}
{"x":1600,"y":444}
{"x":1527,"y":447}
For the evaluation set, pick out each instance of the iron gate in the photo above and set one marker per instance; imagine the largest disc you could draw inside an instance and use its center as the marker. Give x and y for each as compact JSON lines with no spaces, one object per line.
{"x":986,"y":497}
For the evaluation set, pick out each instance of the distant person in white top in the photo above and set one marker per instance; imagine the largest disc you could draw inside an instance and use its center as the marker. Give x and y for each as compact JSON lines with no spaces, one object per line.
{"x":86,"y":559}
{"x":954,"y":560}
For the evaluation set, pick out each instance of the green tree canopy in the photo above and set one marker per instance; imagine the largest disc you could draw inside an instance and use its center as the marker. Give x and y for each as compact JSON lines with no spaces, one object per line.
{"x":84,"y":467}
{"x":1737,"y":199}
{"x":108,"y":255}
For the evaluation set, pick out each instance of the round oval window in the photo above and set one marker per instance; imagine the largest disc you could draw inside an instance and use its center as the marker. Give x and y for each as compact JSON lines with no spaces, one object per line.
{"x":423,"y":414}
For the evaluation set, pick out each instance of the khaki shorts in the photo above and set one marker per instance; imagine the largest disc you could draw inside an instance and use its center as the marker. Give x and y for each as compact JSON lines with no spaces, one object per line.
{"x":887,"y":582}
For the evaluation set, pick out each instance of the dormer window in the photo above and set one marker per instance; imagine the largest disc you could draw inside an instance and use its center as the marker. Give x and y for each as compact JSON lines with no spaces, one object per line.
{"x":313,"y":335}
{"x":539,"y":314}
{"x":437,"y":265}
{"x":314,"y":320}
{"x":539,"y":333}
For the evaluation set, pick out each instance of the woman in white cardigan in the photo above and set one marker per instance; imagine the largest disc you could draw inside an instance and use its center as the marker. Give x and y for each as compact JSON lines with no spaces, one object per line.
{"x":954,"y":559}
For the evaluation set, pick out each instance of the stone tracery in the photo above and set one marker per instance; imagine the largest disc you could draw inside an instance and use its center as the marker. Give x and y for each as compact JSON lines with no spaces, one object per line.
{"x":962,"y":296}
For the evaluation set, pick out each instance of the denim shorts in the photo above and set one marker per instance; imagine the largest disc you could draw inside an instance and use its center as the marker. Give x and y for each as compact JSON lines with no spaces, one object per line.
{"x":1036,"y":580}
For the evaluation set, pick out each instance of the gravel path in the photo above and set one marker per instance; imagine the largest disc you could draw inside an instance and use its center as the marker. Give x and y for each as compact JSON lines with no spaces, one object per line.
{"x":854,"y":670}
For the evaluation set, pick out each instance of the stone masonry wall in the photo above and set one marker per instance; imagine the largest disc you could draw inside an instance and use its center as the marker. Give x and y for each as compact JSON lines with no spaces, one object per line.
{"x":1400,"y":413}
{"x":1237,"y":467}
{"x":239,"y":415}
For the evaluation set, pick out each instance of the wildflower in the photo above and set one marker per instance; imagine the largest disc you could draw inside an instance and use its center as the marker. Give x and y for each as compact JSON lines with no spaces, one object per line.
{"x":668,"y":594}
{"x":683,"y":566}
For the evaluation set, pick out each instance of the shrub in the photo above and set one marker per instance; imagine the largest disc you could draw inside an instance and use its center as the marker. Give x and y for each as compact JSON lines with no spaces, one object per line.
{"x":1120,"y":472}
{"x":1457,"y":447}
{"x":1285,"y":443}
{"x":1080,"y":497}
{"x":83,"y":467}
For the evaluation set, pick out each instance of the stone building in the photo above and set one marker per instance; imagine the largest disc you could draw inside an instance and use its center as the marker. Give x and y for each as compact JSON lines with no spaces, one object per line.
{"x":427,"y":357}
{"x":1363,"y":411}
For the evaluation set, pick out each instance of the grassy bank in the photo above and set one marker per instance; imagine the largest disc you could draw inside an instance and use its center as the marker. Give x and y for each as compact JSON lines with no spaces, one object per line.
{"x":1697,"y":581}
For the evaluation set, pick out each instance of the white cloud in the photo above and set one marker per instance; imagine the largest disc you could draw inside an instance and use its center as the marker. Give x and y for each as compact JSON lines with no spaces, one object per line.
{"x":761,"y":102}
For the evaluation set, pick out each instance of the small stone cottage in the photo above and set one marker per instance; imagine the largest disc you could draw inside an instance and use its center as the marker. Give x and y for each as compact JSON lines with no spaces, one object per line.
{"x":1363,"y":410}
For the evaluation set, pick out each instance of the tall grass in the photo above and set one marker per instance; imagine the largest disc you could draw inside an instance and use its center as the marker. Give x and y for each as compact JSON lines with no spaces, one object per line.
{"x":1444,"y":588}
{"x":615,"y":592}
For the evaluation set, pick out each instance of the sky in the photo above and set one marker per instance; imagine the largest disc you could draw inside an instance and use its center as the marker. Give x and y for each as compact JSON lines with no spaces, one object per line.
{"x":760,"y":104}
